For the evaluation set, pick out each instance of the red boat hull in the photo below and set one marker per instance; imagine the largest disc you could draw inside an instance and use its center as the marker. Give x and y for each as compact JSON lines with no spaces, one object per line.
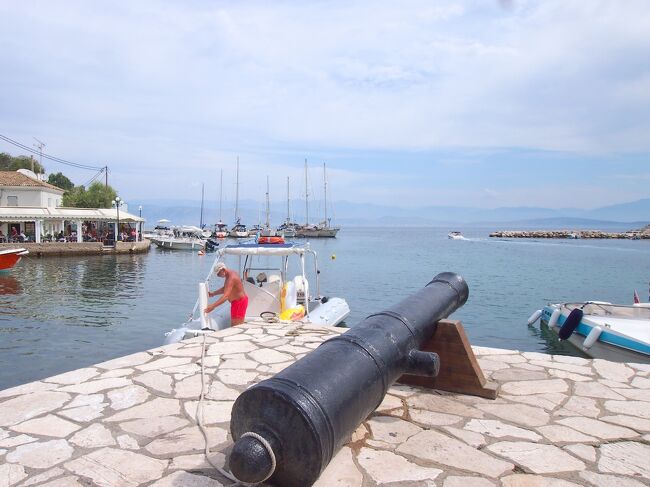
{"x":270,"y":240}
{"x":10,"y":259}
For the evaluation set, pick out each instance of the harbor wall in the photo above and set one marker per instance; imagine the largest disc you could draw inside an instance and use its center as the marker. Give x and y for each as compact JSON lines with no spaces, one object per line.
{"x":47,"y":249}
{"x":636,"y":235}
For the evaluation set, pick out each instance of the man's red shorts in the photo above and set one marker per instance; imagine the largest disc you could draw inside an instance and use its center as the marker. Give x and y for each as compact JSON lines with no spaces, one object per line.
{"x":238,"y":308}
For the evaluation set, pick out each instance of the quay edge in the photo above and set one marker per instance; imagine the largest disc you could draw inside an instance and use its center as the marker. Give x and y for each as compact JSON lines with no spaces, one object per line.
{"x":79,"y":248}
{"x":559,"y":420}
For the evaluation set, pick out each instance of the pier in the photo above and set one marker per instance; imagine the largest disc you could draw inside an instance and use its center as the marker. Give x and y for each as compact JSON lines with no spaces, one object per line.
{"x":558,"y":420}
{"x":572,"y":234}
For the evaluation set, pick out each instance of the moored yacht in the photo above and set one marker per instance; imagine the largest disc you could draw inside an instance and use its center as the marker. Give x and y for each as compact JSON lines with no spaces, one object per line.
{"x":273,"y":293}
{"x":182,"y":238}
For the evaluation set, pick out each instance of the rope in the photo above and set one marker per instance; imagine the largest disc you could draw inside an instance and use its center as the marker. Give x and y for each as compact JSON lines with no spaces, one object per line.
{"x":269,"y":450}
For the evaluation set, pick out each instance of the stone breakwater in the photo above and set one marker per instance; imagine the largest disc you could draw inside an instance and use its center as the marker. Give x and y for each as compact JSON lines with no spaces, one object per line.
{"x":570,"y":234}
{"x":558,"y":421}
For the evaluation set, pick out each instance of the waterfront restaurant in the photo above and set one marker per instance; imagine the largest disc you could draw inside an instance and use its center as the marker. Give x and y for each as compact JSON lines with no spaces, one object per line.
{"x":30,"y":211}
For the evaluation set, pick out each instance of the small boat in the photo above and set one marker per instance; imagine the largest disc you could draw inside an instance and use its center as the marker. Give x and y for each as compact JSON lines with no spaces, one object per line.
{"x":455,"y":236}
{"x":273,"y":294}
{"x":161,"y":228}
{"x":182,"y":238}
{"x":220,"y":230}
{"x":239,"y":230}
{"x":10,"y":257}
{"x":614,"y":332}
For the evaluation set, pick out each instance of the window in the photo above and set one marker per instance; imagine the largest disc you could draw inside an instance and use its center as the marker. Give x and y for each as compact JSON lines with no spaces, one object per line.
{"x":12,"y":200}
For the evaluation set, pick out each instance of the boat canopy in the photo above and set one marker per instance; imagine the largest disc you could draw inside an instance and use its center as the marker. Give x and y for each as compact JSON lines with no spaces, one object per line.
{"x":264,"y":249}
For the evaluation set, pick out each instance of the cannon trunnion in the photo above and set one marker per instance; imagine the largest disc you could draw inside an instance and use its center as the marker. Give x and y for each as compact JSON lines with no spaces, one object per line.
{"x":290,"y":426}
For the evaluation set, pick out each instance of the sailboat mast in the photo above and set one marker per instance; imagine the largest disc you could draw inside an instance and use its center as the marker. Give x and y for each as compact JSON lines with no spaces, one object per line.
{"x":306,"y":196}
{"x":268,"y":207}
{"x":202,"y":198}
{"x":325,"y":191}
{"x":288,"y":200}
{"x":220,"y":195}
{"x":237,"y":193}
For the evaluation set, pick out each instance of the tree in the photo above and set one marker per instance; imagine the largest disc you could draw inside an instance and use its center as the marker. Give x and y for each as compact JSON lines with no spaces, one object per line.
{"x":11,"y":163}
{"x":60,"y":181}
{"x":96,"y":196}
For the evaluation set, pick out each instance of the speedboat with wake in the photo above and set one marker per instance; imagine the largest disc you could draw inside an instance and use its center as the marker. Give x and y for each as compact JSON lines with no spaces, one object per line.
{"x":280,"y":286}
{"x":614,"y":332}
{"x":455,"y":236}
{"x":10,"y":257}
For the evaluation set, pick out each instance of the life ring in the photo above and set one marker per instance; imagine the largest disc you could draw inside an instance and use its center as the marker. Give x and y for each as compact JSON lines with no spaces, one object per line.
{"x":270,"y":240}
{"x":570,"y":324}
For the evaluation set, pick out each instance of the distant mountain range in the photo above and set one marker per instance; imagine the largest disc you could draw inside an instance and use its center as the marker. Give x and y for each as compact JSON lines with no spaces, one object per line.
{"x":635,"y":214}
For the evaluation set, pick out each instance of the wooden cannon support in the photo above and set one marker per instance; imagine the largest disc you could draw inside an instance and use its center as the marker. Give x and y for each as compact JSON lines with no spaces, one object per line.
{"x":459,"y":369}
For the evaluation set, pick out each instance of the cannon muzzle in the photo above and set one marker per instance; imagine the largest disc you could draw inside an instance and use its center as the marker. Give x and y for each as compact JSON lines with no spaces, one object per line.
{"x":288,"y":428}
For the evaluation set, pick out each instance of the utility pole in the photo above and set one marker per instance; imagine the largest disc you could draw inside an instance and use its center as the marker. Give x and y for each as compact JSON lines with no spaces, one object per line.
{"x":39,"y":145}
{"x":106,"y":175}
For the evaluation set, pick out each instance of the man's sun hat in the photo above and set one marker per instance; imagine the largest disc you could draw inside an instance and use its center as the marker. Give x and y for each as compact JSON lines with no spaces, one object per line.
{"x":219,"y":267}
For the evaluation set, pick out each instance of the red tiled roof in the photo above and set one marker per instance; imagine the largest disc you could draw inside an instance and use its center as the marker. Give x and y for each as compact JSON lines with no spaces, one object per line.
{"x":14,"y":178}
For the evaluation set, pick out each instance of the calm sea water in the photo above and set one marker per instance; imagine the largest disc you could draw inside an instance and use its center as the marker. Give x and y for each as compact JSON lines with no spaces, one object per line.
{"x":59,"y":314}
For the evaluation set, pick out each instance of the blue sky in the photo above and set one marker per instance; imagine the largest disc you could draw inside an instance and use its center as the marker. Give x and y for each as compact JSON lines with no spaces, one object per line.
{"x":473,"y":103}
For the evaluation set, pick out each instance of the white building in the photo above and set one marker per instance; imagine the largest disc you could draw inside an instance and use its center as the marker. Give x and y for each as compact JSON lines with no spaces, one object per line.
{"x":32,"y":207}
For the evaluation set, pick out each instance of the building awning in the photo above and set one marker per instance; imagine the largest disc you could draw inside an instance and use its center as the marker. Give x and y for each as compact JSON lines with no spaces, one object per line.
{"x":26,"y":213}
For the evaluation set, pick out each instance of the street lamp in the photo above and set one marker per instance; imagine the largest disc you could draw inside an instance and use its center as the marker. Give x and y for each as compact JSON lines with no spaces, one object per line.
{"x":140,"y":210}
{"x":140,"y":223}
{"x":117,"y":202}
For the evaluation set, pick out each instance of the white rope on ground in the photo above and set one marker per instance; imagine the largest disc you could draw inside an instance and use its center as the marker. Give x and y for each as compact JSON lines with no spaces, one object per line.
{"x":206,"y":452}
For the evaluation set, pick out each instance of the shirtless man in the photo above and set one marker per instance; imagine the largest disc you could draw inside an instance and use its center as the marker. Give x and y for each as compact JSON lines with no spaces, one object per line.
{"x":233,"y":291}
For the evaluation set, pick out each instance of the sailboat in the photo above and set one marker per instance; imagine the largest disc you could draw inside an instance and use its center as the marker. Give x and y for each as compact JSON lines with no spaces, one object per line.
{"x":288,"y":228}
{"x":239,"y":229}
{"x":268,"y":235}
{"x":324,"y":228}
{"x":221,"y":229}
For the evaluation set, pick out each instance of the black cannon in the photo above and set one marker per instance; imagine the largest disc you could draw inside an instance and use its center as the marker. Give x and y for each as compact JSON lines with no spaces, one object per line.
{"x":289,"y":427}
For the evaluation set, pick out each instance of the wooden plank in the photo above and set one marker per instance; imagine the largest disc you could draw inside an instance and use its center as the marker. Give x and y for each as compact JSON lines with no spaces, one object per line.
{"x":459,"y":369}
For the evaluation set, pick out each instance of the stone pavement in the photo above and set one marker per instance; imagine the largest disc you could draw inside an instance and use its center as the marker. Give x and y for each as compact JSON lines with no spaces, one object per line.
{"x":558,"y":422}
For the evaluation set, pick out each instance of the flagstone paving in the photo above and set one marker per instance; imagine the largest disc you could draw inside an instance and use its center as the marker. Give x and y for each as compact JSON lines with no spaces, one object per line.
{"x":558,"y":421}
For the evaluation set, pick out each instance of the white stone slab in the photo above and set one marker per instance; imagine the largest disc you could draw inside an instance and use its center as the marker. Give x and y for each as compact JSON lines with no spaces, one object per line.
{"x":563,"y":434}
{"x":626,"y":458}
{"x":155,"y":426}
{"x":164,"y":363}
{"x":473,"y":439}
{"x":568,"y":359}
{"x":73,"y":377}
{"x":220,"y":392}
{"x":94,"y":436}
{"x":48,"y":425}
{"x":191,"y":386}
{"x":536,"y":457}
{"x":435,"y":447}
{"x":579,"y":406}
{"x":391,"y":430}
{"x":521,"y":414}
{"x":68,"y":481}
{"x":11,"y":474}
{"x":524,"y":480}
{"x":641,"y":382}
{"x":546,"y":401}
{"x":231,"y":347}
{"x":430,"y":418}
{"x":522,"y":388}
{"x":213,"y":411}
{"x":187,"y":440}
{"x":586,"y":452}
{"x":597,"y":428}
{"x":341,"y":472}
{"x":186,"y":479}
{"x":22,"y":408}
{"x":27,"y":389}
{"x":385,"y":467}
{"x":638,"y":424}
{"x":94,"y":386}
{"x":155,"y":380}
{"x":576,"y":369}
{"x":47,"y":475}
{"x":110,"y":467}
{"x":85,"y":400}
{"x":159,"y":406}
{"x":127,"y":442}
{"x":236,"y":377}
{"x":435,"y":402}
{"x":612,"y":370}
{"x":595,"y":389}
{"x":42,"y":454}
{"x":270,"y":356}
{"x":636,"y":394}
{"x":457,"y":481}
{"x":238,"y":364}
{"x":499,"y":429}
{"x":517,"y":374}
{"x":198,"y":462}
{"x":640,"y":409}
{"x":116,"y":373}
{"x":13,"y":441}
{"x":610,"y":480}
{"x":84,"y":414}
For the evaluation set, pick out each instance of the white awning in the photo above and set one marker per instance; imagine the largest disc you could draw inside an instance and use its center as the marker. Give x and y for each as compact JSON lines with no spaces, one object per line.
{"x":26,"y":213}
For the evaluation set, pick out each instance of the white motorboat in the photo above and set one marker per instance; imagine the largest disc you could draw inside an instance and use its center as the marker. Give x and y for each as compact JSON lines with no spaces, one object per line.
{"x":162,"y":228}
{"x":455,"y":236}
{"x":220,"y":230}
{"x":182,"y":238}
{"x":614,"y":332}
{"x":274,"y":295}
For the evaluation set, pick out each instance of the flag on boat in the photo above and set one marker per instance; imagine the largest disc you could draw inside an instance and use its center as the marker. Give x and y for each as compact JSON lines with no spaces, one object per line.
{"x":636,"y":298}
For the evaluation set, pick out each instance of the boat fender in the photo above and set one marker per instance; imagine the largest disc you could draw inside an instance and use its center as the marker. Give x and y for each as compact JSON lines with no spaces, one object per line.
{"x":555,"y":315}
{"x":534,"y":317}
{"x":324,"y":299}
{"x":592,"y":338}
{"x":571,"y":323}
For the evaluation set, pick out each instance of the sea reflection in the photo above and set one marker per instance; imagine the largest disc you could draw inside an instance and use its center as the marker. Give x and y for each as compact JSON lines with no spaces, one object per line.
{"x":9,"y":285}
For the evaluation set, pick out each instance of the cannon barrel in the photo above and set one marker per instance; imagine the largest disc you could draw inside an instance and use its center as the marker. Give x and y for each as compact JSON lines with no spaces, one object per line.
{"x":288,"y":428}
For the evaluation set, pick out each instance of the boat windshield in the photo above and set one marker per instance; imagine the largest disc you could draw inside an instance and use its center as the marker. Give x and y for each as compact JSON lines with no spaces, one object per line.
{"x":611,"y":310}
